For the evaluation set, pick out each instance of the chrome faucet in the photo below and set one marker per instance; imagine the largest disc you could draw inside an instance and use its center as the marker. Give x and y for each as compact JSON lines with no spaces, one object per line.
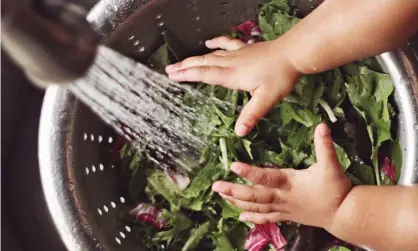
{"x":50,"y":40}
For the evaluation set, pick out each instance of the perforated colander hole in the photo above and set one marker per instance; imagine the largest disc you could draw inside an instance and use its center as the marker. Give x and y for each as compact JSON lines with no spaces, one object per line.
{"x":105,"y":208}
{"x":122,"y":200}
{"x":197,"y":18}
{"x":93,"y":169}
{"x":112,"y":166}
{"x":136,"y":42}
{"x":99,"y":211}
{"x":113,"y":204}
{"x":100,"y":139}
{"x":85,"y":136}
{"x":131,"y":37}
{"x":159,"y":16}
{"x":142,"y":49}
{"x":118,"y":240}
{"x":110,"y":140}
{"x":87,"y":171}
{"x":128,"y":229}
{"x":160,"y":24}
{"x":122,"y":235}
{"x":92,"y":137}
{"x":101,"y":167}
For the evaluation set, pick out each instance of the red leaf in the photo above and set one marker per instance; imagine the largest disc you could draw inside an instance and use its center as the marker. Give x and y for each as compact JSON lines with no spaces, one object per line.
{"x":148,"y":214}
{"x":246,"y":27}
{"x":388,"y":169}
{"x":249,"y":32}
{"x":272,"y":231}
{"x":261,"y":235}
{"x":255,"y":240}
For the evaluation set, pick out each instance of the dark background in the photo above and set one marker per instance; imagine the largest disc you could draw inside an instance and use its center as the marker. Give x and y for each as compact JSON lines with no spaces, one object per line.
{"x":25,"y":222}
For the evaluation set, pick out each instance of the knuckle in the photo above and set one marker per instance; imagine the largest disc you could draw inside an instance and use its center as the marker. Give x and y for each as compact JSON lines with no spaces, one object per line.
{"x":264,"y":179}
{"x":271,"y":197}
{"x":254,"y":197}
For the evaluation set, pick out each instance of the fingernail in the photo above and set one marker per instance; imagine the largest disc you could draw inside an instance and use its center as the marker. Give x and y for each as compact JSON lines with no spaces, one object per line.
{"x":241,"y":130}
{"x":242,"y":217}
{"x":215,"y":186}
{"x":174,"y":76}
{"x":170,"y":68}
{"x":323,"y":130}
{"x":236,"y":168}
{"x":208,"y":42}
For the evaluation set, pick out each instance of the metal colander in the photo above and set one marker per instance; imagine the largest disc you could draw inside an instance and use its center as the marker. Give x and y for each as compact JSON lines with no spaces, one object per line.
{"x":83,"y":187}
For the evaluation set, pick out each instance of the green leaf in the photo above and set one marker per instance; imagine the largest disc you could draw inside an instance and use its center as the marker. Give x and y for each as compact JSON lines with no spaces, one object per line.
{"x":289,"y":112}
{"x":228,"y":210}
{"x":369,"y":93}
{"x":178,"y":221}
{"x":342,"y":157}
{"x":237,"y":234}
{"x":220,"y":239}
{"x":158,"y":184}
{"x":275,"y":19}
{"x":339,"y":248}
{"x":195,"y":236}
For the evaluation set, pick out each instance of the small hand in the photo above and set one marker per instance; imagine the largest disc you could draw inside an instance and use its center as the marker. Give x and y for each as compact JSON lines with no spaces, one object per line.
{"x":309,"y":196}
{"x":263,"y":69}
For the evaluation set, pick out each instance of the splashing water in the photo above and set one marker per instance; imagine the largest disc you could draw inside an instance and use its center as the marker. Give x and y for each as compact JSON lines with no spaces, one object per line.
{"x":143,"y":106}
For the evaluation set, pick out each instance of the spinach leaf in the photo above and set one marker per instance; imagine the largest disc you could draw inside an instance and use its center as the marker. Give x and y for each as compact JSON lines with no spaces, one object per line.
{"x":195,"y":236}
{"x":369,"y":93}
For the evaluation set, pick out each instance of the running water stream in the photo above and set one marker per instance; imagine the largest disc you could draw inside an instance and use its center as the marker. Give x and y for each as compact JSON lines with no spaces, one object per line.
{"x":143,"y":106}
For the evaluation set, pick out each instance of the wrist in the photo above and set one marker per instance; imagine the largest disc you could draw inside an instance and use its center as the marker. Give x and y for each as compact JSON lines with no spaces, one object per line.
{"x":287,"y":50}
{"x":338,"y":215}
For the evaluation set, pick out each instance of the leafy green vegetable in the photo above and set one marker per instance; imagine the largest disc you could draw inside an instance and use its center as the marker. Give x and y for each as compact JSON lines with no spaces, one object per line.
{"x":179,"y":222}
{"x":369,"y":93}
{"x":353,"y":100}
{"x":220,"y":239}
{"x":275,"y":19}
{"x":195,"y":236}
{"x":339,"y":248}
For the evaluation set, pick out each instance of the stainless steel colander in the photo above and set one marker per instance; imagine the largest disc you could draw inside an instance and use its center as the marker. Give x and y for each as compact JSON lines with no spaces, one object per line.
{"x":83,"y":187}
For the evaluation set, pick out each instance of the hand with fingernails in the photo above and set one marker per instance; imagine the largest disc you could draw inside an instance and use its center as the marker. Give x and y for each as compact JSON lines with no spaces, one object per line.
{"x":289,"y":194}
{"x":250,"y":68}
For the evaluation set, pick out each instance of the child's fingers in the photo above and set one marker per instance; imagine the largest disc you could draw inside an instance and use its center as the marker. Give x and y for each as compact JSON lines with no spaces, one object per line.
{"x":210,"y":59}
{"x":246,"y":193}
{"x":258,"y":106}
{"x":209,"y":74}
{"x":262,"y":218}
{"x":225,"y":43}
{"x":250,"y":206}
{"x":263,"y":176}
{"x":324,"y":146}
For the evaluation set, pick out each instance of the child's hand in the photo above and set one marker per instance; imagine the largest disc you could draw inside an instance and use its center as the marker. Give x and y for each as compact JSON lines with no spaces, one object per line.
{"x":263,"y":69}
{"x":309,"y":196}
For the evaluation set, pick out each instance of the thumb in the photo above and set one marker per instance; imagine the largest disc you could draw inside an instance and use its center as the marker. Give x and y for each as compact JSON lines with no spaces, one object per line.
{"x":259,"y":104}
{"x":324,"y":146}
